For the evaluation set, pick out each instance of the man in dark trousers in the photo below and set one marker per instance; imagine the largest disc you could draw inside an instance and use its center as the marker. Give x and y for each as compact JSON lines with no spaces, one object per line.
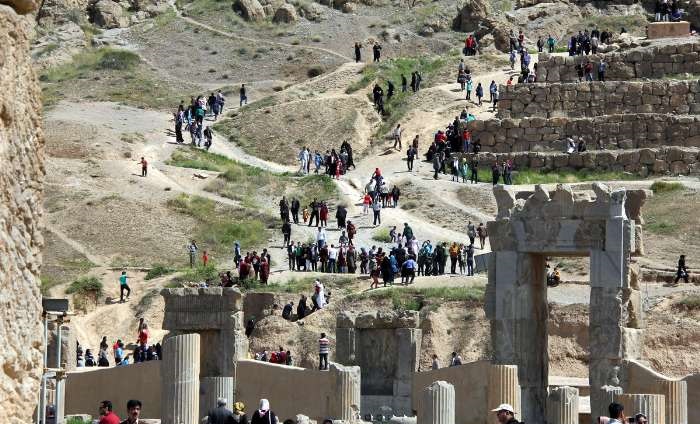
{"x":295,"y":210}
{"x":287,"y":232}
{"x":682,"y":271}
{"x":315,"y":208}
{"x":377,"y":50}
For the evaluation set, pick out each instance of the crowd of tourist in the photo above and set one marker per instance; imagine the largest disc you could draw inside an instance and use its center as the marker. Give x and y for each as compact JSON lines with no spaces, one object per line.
{"x":142,"y":351}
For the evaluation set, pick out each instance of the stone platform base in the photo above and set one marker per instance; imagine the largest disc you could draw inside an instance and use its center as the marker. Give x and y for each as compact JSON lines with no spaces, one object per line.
{"x":668,"y":29}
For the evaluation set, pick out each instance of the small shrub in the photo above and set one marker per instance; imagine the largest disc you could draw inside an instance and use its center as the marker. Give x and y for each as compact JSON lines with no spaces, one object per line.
{"x":382,"y":235}
{"x":666,"y":187}
{"x":314,"y":71}
{"x":121,"y":60}
{"x":200,"y":273}
{"x":158,"y":271}
{"x":86,"y":286}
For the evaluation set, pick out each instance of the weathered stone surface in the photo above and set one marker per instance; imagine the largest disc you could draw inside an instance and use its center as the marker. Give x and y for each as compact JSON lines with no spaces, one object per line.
{"x":562,"y":405}
{"x":108,"y":14}
{"x":21,"y":195}
{"x":250,"y":10}
{"x":286,"y":14}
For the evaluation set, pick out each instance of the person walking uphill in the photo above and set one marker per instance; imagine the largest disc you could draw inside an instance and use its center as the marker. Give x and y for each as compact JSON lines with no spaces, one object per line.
{"x":144,"y":167}
{"x":377,"y":51}
{"x":123,"y":285}
{"x":323,"y":349}
{"x":243,"y":96}
{"x":358,"y":52}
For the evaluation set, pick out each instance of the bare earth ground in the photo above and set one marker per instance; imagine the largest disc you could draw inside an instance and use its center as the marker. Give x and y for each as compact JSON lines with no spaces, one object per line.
{"x":101,"y":213}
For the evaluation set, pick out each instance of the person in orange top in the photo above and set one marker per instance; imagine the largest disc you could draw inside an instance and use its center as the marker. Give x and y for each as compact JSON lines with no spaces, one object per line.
{"x":366,"y":201}
{"x":205,"y":258}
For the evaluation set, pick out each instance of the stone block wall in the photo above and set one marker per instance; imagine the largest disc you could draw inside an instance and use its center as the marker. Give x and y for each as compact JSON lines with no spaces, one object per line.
{"x":661,"y":161}
{"x":654,"y":61}
{"x":21,"y":195}
{"x":599,"y":98}
{"x":628,"y":131}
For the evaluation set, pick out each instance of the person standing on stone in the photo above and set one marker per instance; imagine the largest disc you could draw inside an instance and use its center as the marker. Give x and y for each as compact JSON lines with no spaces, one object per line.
{"x":133,"y":408}
{"x":505,"y":414}
{"x":107,"y":416}
{"x":377,"y":51}
{"x":221,"y":414}
{"x":358,"y":52}
{"x":243,"y":96}
{"x":263,"y":415}
{"x":323,"y":349}
{"x":124,"y":286}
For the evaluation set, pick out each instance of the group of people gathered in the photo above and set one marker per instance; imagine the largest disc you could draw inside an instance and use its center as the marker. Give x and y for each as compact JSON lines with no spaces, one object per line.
{"x":335,"y":164}
{"x":192,"y":116}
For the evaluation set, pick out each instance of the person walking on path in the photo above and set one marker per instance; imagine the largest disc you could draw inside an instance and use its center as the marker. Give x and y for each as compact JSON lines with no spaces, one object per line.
{"x":358,"y":52}
{"x":681,"y":270}
{"x":377,"y":210}
{"x":377,"y":51}
{"x":243,"y":96}
{"x":470,"y":259}
{"x":323,"y":349}
{"x":479,"y":93}
{"x":397,"y":136}
{"x":144,"y":167}
{"x":482,"y":233}
{"x":436,"y":165}
{"x":410,"y":156}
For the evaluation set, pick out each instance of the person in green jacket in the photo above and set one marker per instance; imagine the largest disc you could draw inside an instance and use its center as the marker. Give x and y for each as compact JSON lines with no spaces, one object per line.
{"x":407,"y":232}
{"x":469,"y":87}
{"x":463,"y":169}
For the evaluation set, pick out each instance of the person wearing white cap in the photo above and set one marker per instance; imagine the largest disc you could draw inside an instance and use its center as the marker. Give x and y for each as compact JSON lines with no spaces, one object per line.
{"x":264,"y":415}
{"x":505,"y":414}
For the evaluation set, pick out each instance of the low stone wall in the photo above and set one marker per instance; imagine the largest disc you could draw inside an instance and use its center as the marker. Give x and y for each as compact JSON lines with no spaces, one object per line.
{"x":664,"y":160}
{"x":479,"y":387}
{"x":628,"y":131}
{"x":599,"y":98}
{"x":654,"y":61}
{"x":292,"y":390}
{"x":87,"y":387}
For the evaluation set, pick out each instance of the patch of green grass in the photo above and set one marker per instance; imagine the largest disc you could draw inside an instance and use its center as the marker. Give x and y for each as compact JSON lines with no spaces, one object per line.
{"x":86,"y":286}
{"x":413,"y":299}
{"x":109,"y":74}
{"x":219,"y":226}
{"x":382,"y":235}
{"x":200,"y":273}
{"x":158,"y":271}
{"x":663,"y":216}
{"x":634,"y":24}
{"x":76,"y":420}
{"x":528,"y":176}
{"x":666,"y":186}
{"x":691,"y":302}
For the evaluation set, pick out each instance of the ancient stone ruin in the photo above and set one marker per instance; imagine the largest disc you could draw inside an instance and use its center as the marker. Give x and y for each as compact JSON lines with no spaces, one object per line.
{"x":21,"y":176}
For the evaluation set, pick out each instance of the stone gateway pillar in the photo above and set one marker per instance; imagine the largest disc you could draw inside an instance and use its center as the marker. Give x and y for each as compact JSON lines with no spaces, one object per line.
{"x":676,"y":393}
{"x":180,"y":380}
{"x":504,"y":386}
{"x":211,"y":389}
{"x":438,"y":404}
{"x":562,"y":405}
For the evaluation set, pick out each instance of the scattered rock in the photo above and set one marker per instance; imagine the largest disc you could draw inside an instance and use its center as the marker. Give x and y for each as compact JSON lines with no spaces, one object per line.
{"x":286,"y":14}
{"x":108,"y":14}
{"x":426,"y":31}
{"x":349,"y":7}
{"x":59,"y":46}
{"x":250,"y":10}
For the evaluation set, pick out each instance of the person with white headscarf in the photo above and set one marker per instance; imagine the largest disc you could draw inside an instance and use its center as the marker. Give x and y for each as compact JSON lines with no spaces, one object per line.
{"x":319,"y":294}
{"x":263,"y":415}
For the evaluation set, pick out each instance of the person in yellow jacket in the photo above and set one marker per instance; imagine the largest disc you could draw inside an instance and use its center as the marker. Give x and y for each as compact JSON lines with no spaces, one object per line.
{"x":454,"y":253}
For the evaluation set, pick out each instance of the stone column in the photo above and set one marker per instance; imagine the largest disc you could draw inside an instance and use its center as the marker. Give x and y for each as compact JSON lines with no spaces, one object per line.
{"x":604,"y":397}
{"x":653,"y":406}
{"x":211,"y":389}
{"x":562,"y":405}
{"x":438,"y":402}
{"x":345,"y":383}
{"x":409,"y":342}
{"x":180,"y":380}
{"x":503,"y":386}
{"x":676,"y":393}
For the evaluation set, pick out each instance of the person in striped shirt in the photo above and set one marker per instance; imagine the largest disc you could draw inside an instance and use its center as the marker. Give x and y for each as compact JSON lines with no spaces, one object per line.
{"x":323,"y":352}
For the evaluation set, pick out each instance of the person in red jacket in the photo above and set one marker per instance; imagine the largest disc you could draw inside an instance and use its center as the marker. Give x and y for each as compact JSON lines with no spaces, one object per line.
{"x":107,"y":416}
{"x":324,"y":214}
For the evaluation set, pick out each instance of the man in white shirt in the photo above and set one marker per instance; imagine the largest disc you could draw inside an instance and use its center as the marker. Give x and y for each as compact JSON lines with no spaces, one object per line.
{"x":321,"y":237}
{"x":332,"y":258}
{"x":397,"y":136}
